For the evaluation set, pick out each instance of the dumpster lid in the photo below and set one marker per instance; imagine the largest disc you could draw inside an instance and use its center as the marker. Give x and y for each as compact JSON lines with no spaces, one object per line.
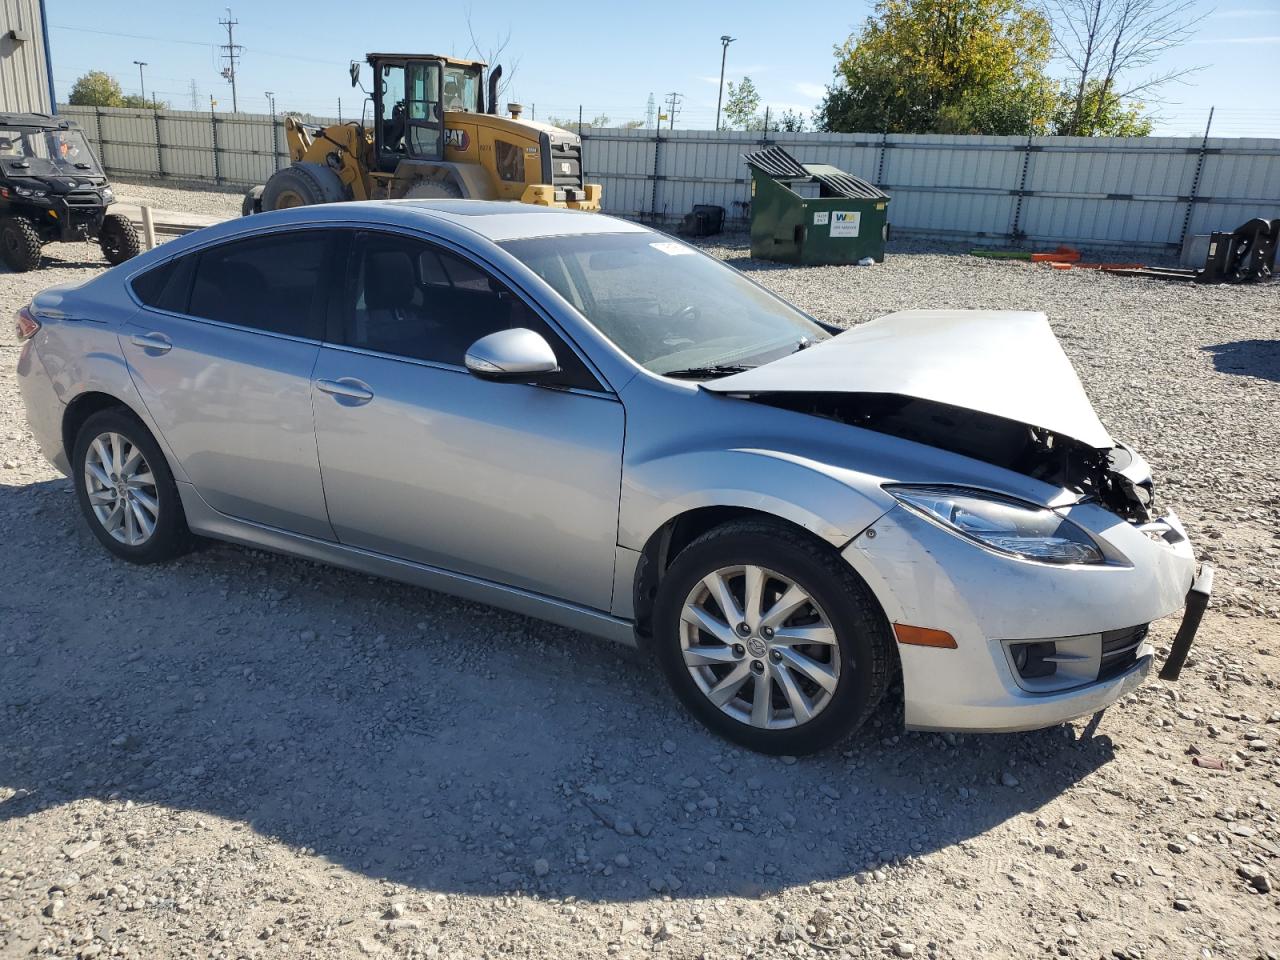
{"x":777,"y":164}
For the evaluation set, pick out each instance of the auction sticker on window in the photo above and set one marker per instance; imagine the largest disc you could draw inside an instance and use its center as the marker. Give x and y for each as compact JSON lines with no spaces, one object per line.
{"x":845,"y":223}
{"x":671,"y":249}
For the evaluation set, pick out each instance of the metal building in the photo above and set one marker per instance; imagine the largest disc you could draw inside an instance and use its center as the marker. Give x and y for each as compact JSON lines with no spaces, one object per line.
{"x":26,"y":77}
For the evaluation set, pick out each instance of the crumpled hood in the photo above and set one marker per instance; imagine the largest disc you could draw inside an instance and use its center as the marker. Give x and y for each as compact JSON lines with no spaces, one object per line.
{"x":1006,"y":363}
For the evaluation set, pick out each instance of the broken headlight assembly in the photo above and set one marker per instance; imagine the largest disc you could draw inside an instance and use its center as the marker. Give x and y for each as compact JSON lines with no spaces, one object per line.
{"x":1002,"y":524}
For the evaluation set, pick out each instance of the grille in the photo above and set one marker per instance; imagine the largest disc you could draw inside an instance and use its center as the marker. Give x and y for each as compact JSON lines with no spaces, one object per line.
{"x":566,"y":164}
{"x":1120,"y":650}
{"x":83,"y":198}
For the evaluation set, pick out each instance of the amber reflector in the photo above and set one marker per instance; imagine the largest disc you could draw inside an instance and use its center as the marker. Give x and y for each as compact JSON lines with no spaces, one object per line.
{"x":923,"y":636}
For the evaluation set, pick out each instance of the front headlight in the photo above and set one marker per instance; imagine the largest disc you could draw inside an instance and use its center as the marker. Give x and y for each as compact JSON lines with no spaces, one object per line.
{"x":1003,"y":524}
{"x":107,"y":195}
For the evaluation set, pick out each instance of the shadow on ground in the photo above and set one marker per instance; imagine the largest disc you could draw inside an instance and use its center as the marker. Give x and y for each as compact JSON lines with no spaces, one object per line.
{"x":1251,"y":358}
{"x":437,"y":743}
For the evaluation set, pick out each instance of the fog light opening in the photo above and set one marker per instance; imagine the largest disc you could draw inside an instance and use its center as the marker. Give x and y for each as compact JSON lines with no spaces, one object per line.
{"x":1036,"y":660}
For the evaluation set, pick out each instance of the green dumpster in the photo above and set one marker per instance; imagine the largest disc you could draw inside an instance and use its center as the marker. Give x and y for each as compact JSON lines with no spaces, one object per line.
{"x":813,"y":213}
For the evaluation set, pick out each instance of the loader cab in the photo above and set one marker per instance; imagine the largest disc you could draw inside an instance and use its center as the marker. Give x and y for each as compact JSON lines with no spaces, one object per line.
{"x":411,"y":95}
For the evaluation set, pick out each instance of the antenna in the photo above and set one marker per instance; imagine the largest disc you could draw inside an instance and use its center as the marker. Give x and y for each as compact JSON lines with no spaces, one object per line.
{"x":231,"y":52}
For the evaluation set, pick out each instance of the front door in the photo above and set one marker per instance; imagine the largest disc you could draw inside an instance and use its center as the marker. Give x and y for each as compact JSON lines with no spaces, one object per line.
{"x":423,"y":111}
{"x":510,"y":482}
{"x":222,"y":355}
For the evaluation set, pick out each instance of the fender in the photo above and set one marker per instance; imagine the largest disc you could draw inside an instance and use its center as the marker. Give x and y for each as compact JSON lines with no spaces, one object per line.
{"x":471,"y":179}
{"x":828,"y":501}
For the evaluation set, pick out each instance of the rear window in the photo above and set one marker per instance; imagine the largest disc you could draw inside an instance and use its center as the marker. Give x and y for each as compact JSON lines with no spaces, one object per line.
{"x":168,"y":286}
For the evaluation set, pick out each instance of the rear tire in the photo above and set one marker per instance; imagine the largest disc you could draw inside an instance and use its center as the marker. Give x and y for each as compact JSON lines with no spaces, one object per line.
{"x":126,"y":490}
{"x":823,"y":662}
{"x":302,"y":185}
{"x":252,"y":202}
{"x":19,"y":244}
{"x":118,"y":239}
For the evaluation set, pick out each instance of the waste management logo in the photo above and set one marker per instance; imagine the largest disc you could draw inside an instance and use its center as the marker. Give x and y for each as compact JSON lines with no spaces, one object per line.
{"x":845,"y":223}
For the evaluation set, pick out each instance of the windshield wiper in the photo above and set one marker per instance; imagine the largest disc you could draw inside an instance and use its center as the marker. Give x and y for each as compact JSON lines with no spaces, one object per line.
{"x":708,"y":372}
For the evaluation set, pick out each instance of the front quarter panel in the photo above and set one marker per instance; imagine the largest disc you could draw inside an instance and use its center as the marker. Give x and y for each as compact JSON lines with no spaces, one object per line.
{"x":688,"y":449}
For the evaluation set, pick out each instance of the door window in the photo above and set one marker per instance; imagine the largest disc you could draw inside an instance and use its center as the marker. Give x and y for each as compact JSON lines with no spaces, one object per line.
{"x":423,"y":106}
{"x":168,"y":286}
{"x":274,"y":283}
{"x":411,"y":299}
{"x":391,"y":113}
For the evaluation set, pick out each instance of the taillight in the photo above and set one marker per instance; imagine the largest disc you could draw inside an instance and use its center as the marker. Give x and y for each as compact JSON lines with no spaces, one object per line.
{"x":27,"y":324}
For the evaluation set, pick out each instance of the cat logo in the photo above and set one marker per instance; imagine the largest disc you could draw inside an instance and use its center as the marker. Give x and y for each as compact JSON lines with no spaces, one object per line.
{"x":457,"y":139}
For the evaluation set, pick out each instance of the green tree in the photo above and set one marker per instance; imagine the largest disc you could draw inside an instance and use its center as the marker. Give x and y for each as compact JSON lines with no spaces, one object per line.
{"x":944,"y":66}
{"x":135,"y":100}
{"x":791,"y":121}
{"x":742,"y":106}
{"x":96,"y":89}
{"x":1091,"y":113}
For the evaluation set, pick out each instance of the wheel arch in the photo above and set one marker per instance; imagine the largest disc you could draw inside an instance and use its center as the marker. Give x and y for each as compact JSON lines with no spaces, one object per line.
{"x":470,"y":178}
{"x":666,"y":543}
{"x":84,"y":405}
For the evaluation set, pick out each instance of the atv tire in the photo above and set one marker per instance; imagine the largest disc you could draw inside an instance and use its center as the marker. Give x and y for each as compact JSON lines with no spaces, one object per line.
{"x":302,"y":185}
{"x":19,"y":244}
{"x":118,"y":239}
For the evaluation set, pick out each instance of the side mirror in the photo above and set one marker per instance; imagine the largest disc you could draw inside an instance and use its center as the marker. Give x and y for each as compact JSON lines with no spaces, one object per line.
{"x":517,"y":354}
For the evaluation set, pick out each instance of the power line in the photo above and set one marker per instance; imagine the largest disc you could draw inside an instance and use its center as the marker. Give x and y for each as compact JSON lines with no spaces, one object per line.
{"x":673,"y":108}
{"x":232,"y":50}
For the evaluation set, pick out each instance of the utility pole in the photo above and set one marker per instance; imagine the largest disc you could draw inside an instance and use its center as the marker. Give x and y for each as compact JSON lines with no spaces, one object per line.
{"x":141,"y":82}
{"x":650,"y":112}
{"x":195,"y":94}
{"x":724,"y":53}
{"x":673,"y":107}
{"x":271,"y":102}
{"x":231,"y":52}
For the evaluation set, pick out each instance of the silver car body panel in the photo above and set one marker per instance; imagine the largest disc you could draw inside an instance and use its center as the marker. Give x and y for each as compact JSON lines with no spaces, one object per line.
{"x":542,"y":501}
{"x":1006,"y":363}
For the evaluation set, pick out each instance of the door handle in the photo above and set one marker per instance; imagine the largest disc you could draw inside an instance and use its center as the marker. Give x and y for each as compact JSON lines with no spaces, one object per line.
{"x":152,"y":342}
{"x":347,"y":388}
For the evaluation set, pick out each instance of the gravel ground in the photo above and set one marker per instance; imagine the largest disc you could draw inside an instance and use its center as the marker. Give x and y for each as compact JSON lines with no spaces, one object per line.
{"x":240,"y":755}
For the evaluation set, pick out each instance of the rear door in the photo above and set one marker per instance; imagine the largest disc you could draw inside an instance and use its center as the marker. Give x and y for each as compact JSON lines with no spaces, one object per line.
{"x":510,"y":482}
{"x":222,"y":353}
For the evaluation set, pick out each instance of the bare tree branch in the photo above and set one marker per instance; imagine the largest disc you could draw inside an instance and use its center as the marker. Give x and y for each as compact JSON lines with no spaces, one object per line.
{"x":491,"y":53}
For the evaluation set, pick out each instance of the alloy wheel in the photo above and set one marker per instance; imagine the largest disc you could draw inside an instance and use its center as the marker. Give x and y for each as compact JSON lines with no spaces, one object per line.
{"x":122,"y":489}
{"x":759,"y":647}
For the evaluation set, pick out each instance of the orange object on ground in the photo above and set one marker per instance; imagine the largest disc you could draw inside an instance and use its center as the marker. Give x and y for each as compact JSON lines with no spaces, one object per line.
{"x":1059,"y":266}
{"x":1061,"y":255}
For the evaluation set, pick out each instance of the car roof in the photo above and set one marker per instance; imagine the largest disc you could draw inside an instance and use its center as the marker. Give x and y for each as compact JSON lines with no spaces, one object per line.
{"x":500,"y":220}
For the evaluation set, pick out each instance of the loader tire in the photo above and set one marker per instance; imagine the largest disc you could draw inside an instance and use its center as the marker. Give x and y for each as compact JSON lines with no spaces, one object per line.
{"x":302,"y":185}
{"x":19,"y":244}
{"x":252,"y":202}
{"x":434,"y":190}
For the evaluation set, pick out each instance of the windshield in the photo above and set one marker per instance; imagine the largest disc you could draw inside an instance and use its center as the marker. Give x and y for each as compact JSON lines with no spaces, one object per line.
{"x":28,"y":151}
{"x":669,"y":307}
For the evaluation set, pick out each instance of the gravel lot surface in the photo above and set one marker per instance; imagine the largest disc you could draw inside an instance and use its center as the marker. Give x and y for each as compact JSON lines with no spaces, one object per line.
{"x":240,"y":755}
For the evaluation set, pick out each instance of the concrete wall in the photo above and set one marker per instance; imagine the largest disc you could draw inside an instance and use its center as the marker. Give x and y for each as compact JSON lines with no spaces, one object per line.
{"x":24,"y":64}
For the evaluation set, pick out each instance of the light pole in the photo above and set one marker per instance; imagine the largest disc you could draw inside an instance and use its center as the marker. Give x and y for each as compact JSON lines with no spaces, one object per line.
{"x":724,"y":52}
{"x":141,"y":82}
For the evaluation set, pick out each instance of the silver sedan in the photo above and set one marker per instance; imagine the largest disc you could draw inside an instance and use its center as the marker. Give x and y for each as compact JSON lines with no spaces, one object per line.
{"x":587,"y":421}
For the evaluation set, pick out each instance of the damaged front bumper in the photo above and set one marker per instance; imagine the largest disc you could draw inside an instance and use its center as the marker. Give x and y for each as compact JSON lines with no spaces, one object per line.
{"x":1088,"y":620}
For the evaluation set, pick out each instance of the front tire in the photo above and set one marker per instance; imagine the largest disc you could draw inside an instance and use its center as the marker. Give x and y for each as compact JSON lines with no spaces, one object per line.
{"x":302,"y":185}
{"x":770,"y":638}
{"x":434,"y":190}
{"x":118,"y":239}
{"x":19,"y":244}
{"x":252,"y":202}
{"x":126,"y":490}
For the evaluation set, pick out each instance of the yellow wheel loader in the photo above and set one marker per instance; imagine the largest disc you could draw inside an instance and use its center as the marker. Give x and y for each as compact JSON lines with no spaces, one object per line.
{"x":431,"y":137}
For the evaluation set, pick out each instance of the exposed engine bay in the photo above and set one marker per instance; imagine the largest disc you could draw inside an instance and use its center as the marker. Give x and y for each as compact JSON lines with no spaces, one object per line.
{"x":1115,"y":478}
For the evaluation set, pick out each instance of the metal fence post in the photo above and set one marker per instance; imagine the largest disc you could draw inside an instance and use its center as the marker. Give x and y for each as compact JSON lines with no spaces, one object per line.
{"x":159,"y":152}
{"x":213,"y":125}
{"x":653,"y":192}
{"x":102,"y":144}
{"x":1195,"y":181}
{"x":884,"y":146}
{"x":1016,"y":230}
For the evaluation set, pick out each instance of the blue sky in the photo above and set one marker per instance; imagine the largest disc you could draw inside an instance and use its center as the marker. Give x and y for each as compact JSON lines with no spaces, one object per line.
{"x":608,"y":58}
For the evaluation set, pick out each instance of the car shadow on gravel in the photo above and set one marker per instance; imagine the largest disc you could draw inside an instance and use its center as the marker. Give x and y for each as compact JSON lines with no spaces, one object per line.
{"x":1250,"y":358}
{"x":437,"y":743}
